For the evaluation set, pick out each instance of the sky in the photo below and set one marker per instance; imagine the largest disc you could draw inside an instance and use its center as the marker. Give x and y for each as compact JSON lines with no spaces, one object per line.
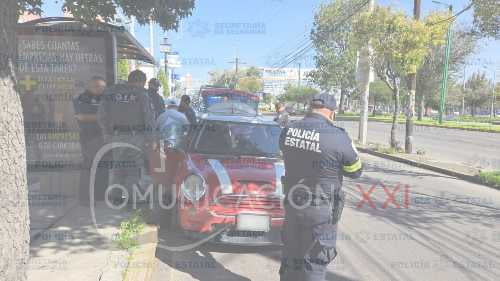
{"x":263,"y":32}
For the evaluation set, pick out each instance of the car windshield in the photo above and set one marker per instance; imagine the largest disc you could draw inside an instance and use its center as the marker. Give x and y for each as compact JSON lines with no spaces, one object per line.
{"x":238,"y":139}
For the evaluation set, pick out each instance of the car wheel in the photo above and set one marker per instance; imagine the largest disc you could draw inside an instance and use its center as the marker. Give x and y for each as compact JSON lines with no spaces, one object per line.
{"x":174,"y":219}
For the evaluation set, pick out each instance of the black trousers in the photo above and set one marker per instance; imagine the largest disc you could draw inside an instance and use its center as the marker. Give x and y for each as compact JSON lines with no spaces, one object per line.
{"x":309,"y":240}
{"x":90,"y":144}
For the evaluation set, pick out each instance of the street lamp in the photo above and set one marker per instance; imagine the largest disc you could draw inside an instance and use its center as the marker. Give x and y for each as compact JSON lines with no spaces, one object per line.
{"x":165,"y":48}
{"x":444,"y":82}
{"x":493,"y":94}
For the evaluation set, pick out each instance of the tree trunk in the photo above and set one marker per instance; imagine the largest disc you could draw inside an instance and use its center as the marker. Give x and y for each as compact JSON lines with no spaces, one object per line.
{"x":410,"y":113}
{"x":395,"y":97}
{"x":374,"y":112}
{"x":421,"y":106}
{"x":14,"y":214}
{"x":463,"y":106}
{"x":473,"y":109}
{"x":349,"y":102}
{"x":342,"y":99}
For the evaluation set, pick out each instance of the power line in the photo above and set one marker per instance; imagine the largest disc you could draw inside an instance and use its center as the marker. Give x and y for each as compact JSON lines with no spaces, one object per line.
{"x":310,"y":45}
{"x":302,"y":42}
{"x":453,"y":16}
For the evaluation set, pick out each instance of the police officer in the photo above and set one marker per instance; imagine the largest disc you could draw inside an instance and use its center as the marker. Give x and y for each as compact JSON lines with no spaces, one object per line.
{"x":317,"y":155}
{"x":156,"y":99}
{"x":91,"y":139}
{"x":281,"y":114}
{"x":127,"y":117}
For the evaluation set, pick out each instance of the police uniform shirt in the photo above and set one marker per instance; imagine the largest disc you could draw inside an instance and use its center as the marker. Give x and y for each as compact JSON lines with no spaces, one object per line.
{"x":316,"y":150}
{"x":87,"y":103}
{"x":126,"y":108}
{"x":157,"y":102}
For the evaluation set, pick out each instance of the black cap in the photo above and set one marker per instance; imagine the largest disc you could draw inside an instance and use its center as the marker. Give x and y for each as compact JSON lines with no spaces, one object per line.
{"x":324,"y":100}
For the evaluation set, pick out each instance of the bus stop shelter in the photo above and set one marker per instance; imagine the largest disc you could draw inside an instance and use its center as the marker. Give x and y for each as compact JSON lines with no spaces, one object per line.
{"x":56,"y":57}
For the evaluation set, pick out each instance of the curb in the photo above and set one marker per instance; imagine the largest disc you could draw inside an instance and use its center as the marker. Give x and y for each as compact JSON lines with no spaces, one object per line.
{"x":142,"y":261}
{"x":462,"y":176}
{"x":346,"y":118}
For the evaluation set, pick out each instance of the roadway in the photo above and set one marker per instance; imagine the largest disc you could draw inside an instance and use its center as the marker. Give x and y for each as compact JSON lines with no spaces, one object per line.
{"x":480,"y":149}
{"x":449,"y":230}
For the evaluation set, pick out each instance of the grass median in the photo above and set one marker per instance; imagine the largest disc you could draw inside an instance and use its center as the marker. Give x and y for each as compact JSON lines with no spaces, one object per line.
{"x":455,"y":124}
{"x":491,"y":178}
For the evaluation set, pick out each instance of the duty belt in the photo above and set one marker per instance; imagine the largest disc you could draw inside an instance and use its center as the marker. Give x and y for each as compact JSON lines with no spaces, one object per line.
{"x":311,"y":199}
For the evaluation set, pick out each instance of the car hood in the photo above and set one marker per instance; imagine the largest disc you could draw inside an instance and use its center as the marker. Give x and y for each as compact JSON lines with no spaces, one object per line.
{"x":245,"y":175}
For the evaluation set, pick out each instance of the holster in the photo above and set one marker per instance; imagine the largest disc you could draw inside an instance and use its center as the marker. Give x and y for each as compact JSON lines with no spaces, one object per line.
{"x":338,"y":206}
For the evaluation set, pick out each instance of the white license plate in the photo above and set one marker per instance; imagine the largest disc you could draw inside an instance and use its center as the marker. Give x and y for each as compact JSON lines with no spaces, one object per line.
{"x":252,"y":222}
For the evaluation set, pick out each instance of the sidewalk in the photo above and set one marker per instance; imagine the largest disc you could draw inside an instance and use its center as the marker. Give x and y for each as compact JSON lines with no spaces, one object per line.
{"x":73,"y":249}
{"x":467,"y":173}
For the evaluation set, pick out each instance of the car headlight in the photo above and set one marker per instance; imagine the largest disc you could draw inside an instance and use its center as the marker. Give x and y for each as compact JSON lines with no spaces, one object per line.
{"x":193,"y":187}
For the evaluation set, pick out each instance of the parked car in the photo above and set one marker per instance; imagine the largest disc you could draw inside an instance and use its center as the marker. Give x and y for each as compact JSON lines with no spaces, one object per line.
{"x":226,"y":177}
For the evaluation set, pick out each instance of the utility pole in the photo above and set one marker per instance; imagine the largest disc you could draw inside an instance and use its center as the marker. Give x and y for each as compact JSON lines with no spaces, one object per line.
{"x":133,"y":64}
{"x":493,"y":96}
{"x":463,"y":91}
{"x":365,"y":74}
{"x":299,"y":76}
{"x":151,"y":44}
{"x":236,"y":62}
{"x":166,"y":48}
{"x":444,"y":82}
{"x":412,"y":85}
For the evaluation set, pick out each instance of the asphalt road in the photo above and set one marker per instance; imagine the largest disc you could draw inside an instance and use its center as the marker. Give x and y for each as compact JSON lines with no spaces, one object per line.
{"x":478,"y":149}
{"x":448,"y":230}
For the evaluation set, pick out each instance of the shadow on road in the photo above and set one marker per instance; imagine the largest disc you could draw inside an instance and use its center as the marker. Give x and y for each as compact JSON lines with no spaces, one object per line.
{"x":330,"y":276}
{"x":450,"y":229}
{"x":199,"y":262}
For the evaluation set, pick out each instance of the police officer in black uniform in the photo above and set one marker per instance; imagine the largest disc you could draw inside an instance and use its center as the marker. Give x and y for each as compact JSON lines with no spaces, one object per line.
{"x":126,"y":117}
{"x":317,"y":155}
{"x":91,"y":139}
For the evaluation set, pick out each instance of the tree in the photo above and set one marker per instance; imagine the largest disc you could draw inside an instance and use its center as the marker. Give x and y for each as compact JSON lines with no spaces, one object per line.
{"x":223,"y":79}
{"x":248,"y":79}
{"x":250,"y":84}
{"x":14,"y":215}
{"x":380,"y":95}
{"x":399,"y":45}
{"x":163,"y":82}
{"x":123,"y":69}
{"x":336,"y":54}
{"x":298,"y":94}
{"x":430,"y":73}
{"x":477,"y":91}
{"x":487,"y":17}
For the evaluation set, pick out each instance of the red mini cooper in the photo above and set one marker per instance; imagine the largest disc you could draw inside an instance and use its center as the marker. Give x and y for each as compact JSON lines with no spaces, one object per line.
{"x":226,"y":175}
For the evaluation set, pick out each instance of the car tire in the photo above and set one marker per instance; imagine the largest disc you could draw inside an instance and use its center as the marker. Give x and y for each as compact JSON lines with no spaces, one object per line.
{"x":174,"y":219}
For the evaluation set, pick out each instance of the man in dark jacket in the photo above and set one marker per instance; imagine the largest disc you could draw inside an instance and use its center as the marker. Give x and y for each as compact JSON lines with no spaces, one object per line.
{"x":126,"y":117}
{"x":91,"y":138}
{"x":185,"y":107}
{"x":156,"y":100}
